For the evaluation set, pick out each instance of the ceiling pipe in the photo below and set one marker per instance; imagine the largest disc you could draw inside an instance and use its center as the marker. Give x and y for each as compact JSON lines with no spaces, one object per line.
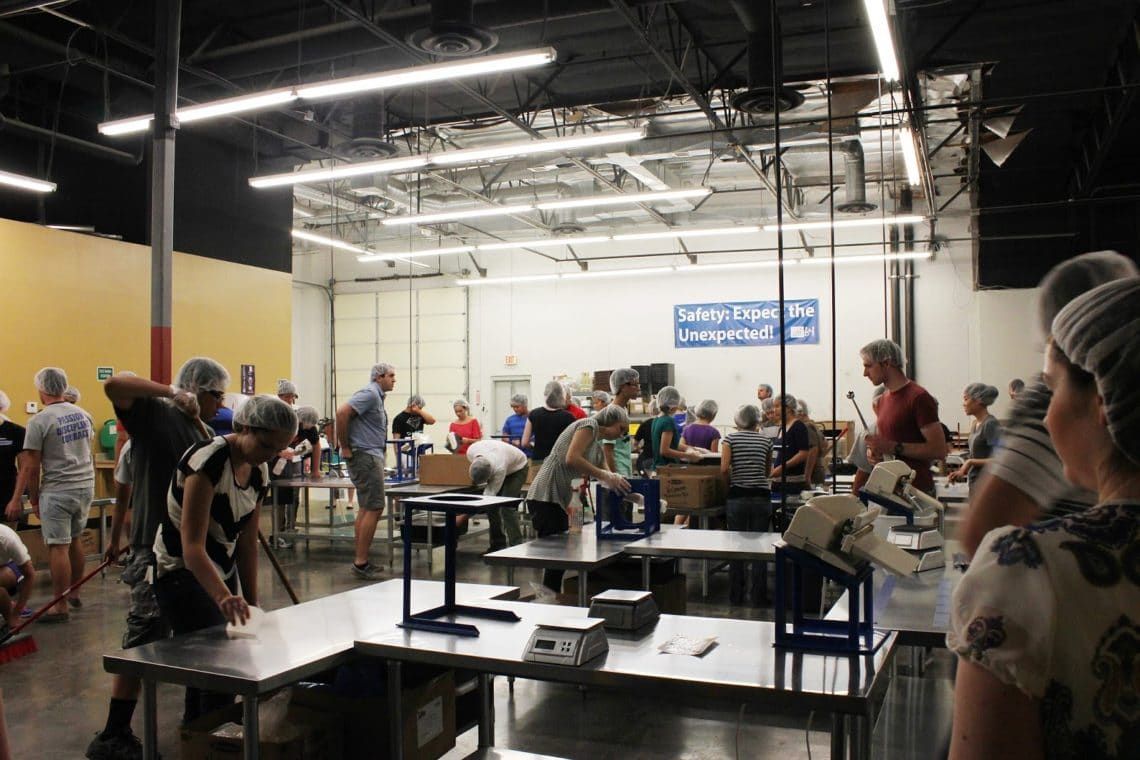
{"x":67,"y":141}
{"x":762,"y":29}
{"x":855,"y":181}
{"x":16,"y":7}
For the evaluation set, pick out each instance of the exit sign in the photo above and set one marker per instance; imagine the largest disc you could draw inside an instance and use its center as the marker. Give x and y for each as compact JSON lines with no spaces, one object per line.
{"x":510,"y":360}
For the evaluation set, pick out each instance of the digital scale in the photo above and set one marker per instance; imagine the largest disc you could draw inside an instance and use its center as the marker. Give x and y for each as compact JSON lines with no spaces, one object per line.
{"x":571,"y":642}
{"x":923,"y":541}
{"x":624,"y":610}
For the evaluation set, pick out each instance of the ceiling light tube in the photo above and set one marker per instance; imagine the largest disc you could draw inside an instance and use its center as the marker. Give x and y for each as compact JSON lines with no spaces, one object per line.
{"x":867,"y":259}
{"x":544,"y":243}
{"x":866,"y":221}
{"x":884,"y":44}
{"x":386,"y":166}
{"x":312,"y":237}
{"x":454,"y":216}
{"x":733,"y":265}
{"x":26,"y":183}
{"x":687,"y":233}
{"x":506,"y":280}
{"x":350,"y":85}
{"x":909,"y":141}
{"x":615,"y":273}
{"x":614,"y":200}
{"x":531,"y":147}
{"x":377,"y":256}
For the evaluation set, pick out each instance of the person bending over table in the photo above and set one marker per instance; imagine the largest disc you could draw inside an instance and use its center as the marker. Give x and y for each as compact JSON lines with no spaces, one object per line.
{"x":501,"y":469}
{"x":208,"y":541}
{"x":577,"y":452}
{"x":1045,"y":622}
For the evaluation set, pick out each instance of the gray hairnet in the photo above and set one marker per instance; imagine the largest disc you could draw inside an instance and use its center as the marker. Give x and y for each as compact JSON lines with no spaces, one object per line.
{"x":481,"y":470}
{"x":202,"y":374}
{"x":621,"y":376}
{"x":52,"y":381}
{"x":787,"y":400}
{"x":308,"y":416}
{"x":802,"y":408}
{"x":266,"y":413}
{"x":768,"y":403}
{"x":379,"y":370}
{"x":1078,"y":275}
{"x":747,"y":417}
{"x":1017,"y":385}
{"x":612,"y":415}
{"x":72,"y":394}
{"x":1100,"y":333}
{"x":5,"y":402}
{"x":982,"y":393}
{"x":766,"y":387}
{"x":520,"y":399}
{"x":706,"y":410}
{"x":883,"y":351}
{"x":461,"y":402}
{"x":416,"y":400}
{"x":286,"y":387}
{"x":555,"y":393}
{"x":668,"y":398}
{"x":602,"y":396}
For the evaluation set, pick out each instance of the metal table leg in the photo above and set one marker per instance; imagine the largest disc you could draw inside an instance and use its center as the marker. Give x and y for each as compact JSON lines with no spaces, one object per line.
{"x":251,"y":732}
{"x":395,"y":712}
{"x":645,"y":576}
{"x":510,"y":575}
{"x":486,"y":710}
{"x":838,"y":737}
{"x":150,"y":720}
{"x":583,"y":593}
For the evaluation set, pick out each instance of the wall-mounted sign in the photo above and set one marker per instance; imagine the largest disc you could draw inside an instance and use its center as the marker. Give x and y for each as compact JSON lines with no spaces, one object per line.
{"x":104,"y":373}
{"x":248,"y":379}
{"x":746,"y":323}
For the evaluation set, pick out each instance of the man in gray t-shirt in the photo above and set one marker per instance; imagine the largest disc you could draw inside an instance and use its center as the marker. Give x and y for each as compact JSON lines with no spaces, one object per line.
{"x":57,"y":469}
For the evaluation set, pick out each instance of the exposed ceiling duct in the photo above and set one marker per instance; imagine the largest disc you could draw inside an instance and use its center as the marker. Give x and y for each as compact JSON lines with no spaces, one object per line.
{"x":760,"y":98}
{"x":369,"y":132}
{"x":855,"y":180}
{"x":452,"y":31}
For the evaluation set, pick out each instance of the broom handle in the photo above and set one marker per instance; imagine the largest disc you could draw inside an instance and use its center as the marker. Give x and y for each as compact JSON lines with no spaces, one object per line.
{"x":277,"y":566}
{"x":63,"y":594}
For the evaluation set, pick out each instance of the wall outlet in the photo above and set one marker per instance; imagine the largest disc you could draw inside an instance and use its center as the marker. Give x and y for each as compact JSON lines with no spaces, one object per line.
{"x":31,"y":407}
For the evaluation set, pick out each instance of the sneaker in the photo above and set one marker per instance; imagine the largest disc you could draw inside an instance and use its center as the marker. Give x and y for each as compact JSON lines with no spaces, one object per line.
{"x":125,"y":746}
{"x":369,"y":572}
{"x":281,"y":543}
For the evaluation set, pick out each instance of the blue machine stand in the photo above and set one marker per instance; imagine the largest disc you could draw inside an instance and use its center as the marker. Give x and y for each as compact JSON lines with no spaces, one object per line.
{"x":407,"y":462}
{"x":450,"y":504}
{"x":611,"y":523}
{"x":856,"y":635}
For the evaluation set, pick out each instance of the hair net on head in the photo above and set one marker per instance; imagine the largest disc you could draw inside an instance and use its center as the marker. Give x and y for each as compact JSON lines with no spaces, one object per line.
{"x":555,"y":394}
{"x":266,"y":413}
{"x":481,"y":470}
{"x":787,"y":400}
{"x":308,"y":416}
{"x":765,"y":387}
{"x":602,"y":396}
{"x":612,"y":415}
{"x":706,"y":410}
{"x":461,"y":402}
{"x":768,"y":403}
{"x":1100,"y":333}
{"x":286,"y":387}
{"x":1017,"y":385}
{"x":72,"y":394}
{"x":668,"y":398}
{"x":519,"y":399}
{"x":52,"y":381}
{"x":416,"y":400}
{"x":883,"y":351}
{"x":202,"y":374}
{"x":982,"y":393}
{"x":747,"y":417}
{"x":5,"y":402}
{"x":621,"y":376}
{"x":802,"y":408}
{"x":1078,"y":275}
{"x":379,"y":370}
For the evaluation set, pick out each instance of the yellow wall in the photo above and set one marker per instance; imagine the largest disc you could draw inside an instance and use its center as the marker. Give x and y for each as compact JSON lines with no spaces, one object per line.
{"x":81,"y":302}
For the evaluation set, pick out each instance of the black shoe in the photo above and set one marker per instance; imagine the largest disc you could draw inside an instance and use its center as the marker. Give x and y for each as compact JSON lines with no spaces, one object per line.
{"x":124,"y":746}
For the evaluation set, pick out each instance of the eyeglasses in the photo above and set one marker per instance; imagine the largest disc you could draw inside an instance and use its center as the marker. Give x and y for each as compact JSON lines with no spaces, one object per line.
{"x":218,"y":395}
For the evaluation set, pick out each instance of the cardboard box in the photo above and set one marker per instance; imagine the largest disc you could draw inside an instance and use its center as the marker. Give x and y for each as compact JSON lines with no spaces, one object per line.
{"x":34,"y":540}
{"x":692,"y":487}
{"x":428,"y":710}
{"x":307,"y":735}
{"x":444,"y":470}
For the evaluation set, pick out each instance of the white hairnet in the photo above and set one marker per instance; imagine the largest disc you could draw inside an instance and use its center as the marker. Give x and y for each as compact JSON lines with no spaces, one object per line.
{"x":668,"y":399}
{"x":1078,"y":275}
{"x":883,"y":351}
{"x":416,"y":400}
{"x":706,"y":410}
{"x":286,"y":387}
{"x":766,"y":387}
{"x":379,"y":370}
{"x":72,"y":394}
{"x":52,"y":381}
{"x":621,"y":376}
{"x":612,"y":415}
{"x":555,"y":394}
{"x":202,"y":374}
{"x":481,"y":470}
{"x":602,"y":396}
{"x":519,"y":398}
{"x":266,"y":413}
{"x":461,"y":402}
{"x":308,"y":416}
{"x":982,"y":393}
{"x":747,"y":417}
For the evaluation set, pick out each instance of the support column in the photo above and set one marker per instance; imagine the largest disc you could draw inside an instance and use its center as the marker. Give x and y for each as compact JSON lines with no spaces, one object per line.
{"x":168,"y":23}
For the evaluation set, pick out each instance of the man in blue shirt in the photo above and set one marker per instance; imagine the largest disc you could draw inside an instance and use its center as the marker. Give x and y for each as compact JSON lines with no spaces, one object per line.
{"x":362,"y":430}
{"x":514,"y":425}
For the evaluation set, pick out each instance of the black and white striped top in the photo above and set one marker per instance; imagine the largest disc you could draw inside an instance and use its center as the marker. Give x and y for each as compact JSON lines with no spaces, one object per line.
{"x":230,"y":509}
{"x":750,"y":459}
{"x":1025,"y":456}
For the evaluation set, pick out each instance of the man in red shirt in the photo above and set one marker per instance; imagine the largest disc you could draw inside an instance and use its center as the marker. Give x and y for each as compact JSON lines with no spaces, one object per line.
{"x":907,"y":417}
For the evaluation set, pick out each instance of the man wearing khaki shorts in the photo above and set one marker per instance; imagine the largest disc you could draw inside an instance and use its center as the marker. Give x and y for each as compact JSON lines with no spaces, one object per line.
{"x":362,"y":430}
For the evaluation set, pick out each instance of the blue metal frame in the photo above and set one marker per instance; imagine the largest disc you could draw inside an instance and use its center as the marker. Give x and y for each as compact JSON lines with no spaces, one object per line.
{"x":856,"y":635}
{"x":609,"y":521}
{"x":410,"y":473}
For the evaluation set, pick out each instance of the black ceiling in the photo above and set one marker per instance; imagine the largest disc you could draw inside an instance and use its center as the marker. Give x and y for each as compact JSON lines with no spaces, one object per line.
{"x":82,"y":62}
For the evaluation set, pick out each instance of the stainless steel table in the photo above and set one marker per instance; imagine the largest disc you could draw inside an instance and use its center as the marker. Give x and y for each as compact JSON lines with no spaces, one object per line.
{"x":742,"y":667}
{"x":294,"y":642}
{"x":703,"y":514}
{"x":581,"y":552}
{"x":704,"y":545}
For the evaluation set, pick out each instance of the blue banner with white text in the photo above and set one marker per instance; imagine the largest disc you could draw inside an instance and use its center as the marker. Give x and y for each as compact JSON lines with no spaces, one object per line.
{"x":746,"y":323}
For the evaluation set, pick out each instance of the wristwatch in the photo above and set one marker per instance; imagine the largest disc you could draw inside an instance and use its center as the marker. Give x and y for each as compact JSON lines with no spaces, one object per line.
{"x":898,"y":450}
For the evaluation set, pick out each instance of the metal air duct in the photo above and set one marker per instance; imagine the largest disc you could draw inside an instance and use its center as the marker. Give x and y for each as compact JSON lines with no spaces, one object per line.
{"x":855,"y":181}
{"x":452,"y":31}
{"x":760,"y":98}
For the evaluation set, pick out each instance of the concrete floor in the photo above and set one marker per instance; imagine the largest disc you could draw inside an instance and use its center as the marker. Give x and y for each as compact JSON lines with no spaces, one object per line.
{"x":57,"y":699}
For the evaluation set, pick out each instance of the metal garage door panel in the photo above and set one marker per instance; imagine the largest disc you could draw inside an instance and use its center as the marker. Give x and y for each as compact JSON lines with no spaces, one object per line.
{"x":440,"y":353}
{"x":442,"y":325}
{"x":394,"y":304}
{"x":355,"y":356}
{"x":353,"y":331}
{"x":443,"y":301}
{"x":394,"y":328}
{"x":442,"y":381}
{"x":355,"y":305}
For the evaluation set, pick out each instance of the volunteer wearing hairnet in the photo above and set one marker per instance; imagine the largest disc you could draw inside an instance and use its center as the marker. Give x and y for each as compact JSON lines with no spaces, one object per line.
{"x":546,"y":423}
{"x":984,"y":435}
{"x":746,"y":460}
{"x":625,"y":383}
{"x":287,"y":391}
{"x":701,"y":433}
{"x":208,"y":541}
{"x":304,"y":450}
{"x":11,"y":444}
{"x":465,"y":427}
{"x":515,"y":424}
{"x":576,"y":453}
{"x":500,"y":469}
{"x":668,"y":448}
{"x":1024,"y":480}
{"x":1045,"y":621}
{"x":600,"y":400}
{"x":413,"y":419}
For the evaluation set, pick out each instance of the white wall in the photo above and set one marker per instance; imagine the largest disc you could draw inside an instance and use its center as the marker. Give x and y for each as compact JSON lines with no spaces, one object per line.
{"x":311,"y":347}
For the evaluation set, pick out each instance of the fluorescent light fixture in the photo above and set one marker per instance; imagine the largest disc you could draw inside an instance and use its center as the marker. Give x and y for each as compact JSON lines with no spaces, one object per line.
{"x":865,"y":221}
{"x":909,"y":141}
{"x":687,"y":233}
{"x":350,"y":85}
{"x":507,"y":280}
{"x":377,"y":256}
{"x":545,"y":243}
{"x":734,"y":265}
{"x":312,"y":237}
{"x":616,"y":273}
{"x":454,"y":216}
{"x":868,"y":259}
{"x":614,"y":200}
{"x":450,"y":158}
{"x":884,"y":45}
{"x":26,"y":183}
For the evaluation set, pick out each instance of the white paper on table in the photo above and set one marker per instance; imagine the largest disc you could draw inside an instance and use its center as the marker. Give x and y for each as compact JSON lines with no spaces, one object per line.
{"x":250,"y":628}
{"x":681,"y":644}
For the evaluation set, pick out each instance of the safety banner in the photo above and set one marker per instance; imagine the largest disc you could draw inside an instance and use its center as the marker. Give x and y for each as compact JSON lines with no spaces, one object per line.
{"x":746,"y":323}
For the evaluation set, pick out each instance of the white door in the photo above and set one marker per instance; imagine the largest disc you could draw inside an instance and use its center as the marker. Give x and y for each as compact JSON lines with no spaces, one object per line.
{"x":503,"y":388}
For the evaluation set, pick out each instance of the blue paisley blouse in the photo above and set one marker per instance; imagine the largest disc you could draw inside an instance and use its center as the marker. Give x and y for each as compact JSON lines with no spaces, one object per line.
{"x":1054,"y":610}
